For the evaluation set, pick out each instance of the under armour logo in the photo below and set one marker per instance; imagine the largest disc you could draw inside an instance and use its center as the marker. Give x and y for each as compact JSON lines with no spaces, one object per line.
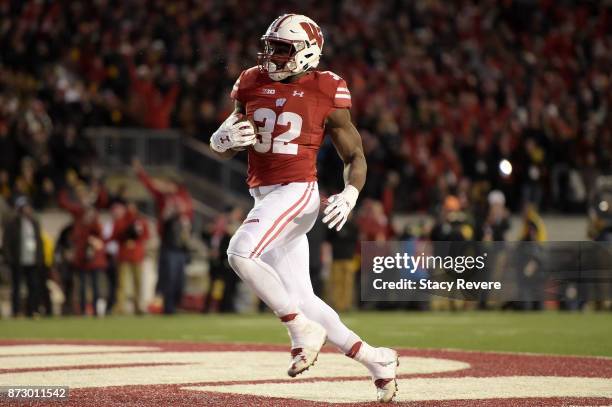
{"x":300,"y":94}
{"x":269,"y":91}
{"x":224,"y":139}
{"x":280,"y":102}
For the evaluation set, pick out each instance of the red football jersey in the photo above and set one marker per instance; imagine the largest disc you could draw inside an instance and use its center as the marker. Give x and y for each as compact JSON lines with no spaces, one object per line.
{"x":290,"y":118}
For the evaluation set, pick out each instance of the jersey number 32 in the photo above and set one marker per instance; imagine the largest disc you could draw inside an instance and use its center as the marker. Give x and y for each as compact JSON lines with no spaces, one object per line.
{"x":281,"y":144}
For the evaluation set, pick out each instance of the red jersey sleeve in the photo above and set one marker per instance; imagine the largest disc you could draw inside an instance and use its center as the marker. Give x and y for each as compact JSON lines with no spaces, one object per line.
{"x":342,"y":97}
{"x":335,"y":87}
{"x":236,"y":94}
{"x":244,"y":83}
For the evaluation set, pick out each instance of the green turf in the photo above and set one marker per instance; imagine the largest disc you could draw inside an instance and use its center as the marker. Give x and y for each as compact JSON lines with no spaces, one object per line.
{"x":545,"y":332}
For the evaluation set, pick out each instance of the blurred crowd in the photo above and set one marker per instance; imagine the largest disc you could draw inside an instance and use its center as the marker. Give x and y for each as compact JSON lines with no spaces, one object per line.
{"x":335,"y":258}
{"x":99,"y":253}
{"x":95,"y":266}
{"x":508,"y":95}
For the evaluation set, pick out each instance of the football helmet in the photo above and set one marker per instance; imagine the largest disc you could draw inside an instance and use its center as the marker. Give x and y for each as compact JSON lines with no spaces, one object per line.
{"x":292,"y":44}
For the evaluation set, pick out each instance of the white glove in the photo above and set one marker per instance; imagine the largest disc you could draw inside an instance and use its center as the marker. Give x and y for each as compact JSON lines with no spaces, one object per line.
{"x":339,"y":206}
{"x":233,"y":134}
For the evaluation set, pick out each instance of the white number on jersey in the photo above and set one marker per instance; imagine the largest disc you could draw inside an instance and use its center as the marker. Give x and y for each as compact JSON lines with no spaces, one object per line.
{"x":268,"y":117}
{"x":281,"y":143}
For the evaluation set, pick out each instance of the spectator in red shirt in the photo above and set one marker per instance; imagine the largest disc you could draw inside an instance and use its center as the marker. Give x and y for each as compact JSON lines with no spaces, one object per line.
{"x":89,"y":254}
{"x":131,"y":231}
{"x":148,"y":103}
{"x":174,"y":208}
{"x":372,"y":221}
{"x":164,"y":191}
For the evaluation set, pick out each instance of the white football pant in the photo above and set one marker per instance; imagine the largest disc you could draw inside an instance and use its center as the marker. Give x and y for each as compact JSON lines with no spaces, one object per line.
{"x":270,"y":254}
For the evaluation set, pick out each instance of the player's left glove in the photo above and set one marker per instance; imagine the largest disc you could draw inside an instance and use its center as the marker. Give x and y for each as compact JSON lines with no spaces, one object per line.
{"x":339,"y":206}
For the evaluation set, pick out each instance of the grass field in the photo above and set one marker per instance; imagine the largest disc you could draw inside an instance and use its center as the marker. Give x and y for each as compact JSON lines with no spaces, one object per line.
{"x":545,"y":332}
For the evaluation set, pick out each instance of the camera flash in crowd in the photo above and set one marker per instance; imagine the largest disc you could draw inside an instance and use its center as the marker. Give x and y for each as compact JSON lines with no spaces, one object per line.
{"x":505,"y":168}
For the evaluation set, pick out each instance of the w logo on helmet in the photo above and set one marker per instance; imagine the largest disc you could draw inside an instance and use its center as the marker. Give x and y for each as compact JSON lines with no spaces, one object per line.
{"x":313,"y":32}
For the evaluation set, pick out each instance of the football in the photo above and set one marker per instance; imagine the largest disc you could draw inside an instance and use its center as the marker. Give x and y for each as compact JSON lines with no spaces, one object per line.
{"x":244,"y":118}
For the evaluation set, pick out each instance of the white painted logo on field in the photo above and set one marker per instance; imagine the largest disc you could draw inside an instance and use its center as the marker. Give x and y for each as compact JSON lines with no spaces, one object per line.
{"x":460,"y":388}
{"x":85,"y":366}
{"x":179,"y":367}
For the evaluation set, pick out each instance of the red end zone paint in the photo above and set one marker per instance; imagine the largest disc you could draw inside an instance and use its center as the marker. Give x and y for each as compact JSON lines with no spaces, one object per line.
{"x":481,"y":365}
{"x":173,"y":396}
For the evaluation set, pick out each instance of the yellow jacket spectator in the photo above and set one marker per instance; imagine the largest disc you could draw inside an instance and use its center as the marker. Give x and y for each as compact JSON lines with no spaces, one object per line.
{"x":533,"y":225}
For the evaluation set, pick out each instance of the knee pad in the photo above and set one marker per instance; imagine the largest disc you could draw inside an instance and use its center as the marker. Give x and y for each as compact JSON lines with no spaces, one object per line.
{"x":250,"y":269}
{"x":244,"y":267}
{"x":241,"y":244}
{"x":237,"y":263}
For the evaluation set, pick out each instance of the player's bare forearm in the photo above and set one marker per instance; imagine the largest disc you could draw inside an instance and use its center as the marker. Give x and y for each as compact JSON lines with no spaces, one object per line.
{"x":348,"y":144}
{"x":226,"y":155}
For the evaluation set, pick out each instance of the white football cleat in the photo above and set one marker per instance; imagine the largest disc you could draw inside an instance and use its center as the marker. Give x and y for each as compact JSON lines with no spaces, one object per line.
{"x":306,"y":343}
{"x":384,"y":373}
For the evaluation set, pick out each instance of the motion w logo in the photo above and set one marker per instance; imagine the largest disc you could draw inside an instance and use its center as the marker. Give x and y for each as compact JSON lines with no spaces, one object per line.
{"x":313,"y":32}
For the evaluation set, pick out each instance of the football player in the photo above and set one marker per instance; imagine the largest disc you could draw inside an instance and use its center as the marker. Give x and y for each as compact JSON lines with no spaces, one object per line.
{"x":283,"y":107}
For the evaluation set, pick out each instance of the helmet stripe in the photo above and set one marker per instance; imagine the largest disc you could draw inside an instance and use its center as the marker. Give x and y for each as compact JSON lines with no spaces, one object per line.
{"x":282,"y":20}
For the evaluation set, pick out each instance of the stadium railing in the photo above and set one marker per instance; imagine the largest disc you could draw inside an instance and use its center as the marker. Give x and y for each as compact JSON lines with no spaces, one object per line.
{"x":213,"y":183}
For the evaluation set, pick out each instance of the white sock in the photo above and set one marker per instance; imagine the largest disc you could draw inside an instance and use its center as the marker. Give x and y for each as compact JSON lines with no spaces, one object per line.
{"x":350,"y":345}
{"x":297,"y":321}
{"x":338,"y":334}
{"x":295,"y":326}
{"x":365,"y":353}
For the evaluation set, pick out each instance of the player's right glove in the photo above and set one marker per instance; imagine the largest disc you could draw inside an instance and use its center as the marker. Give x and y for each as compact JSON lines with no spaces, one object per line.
{"x":233,"y":133}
